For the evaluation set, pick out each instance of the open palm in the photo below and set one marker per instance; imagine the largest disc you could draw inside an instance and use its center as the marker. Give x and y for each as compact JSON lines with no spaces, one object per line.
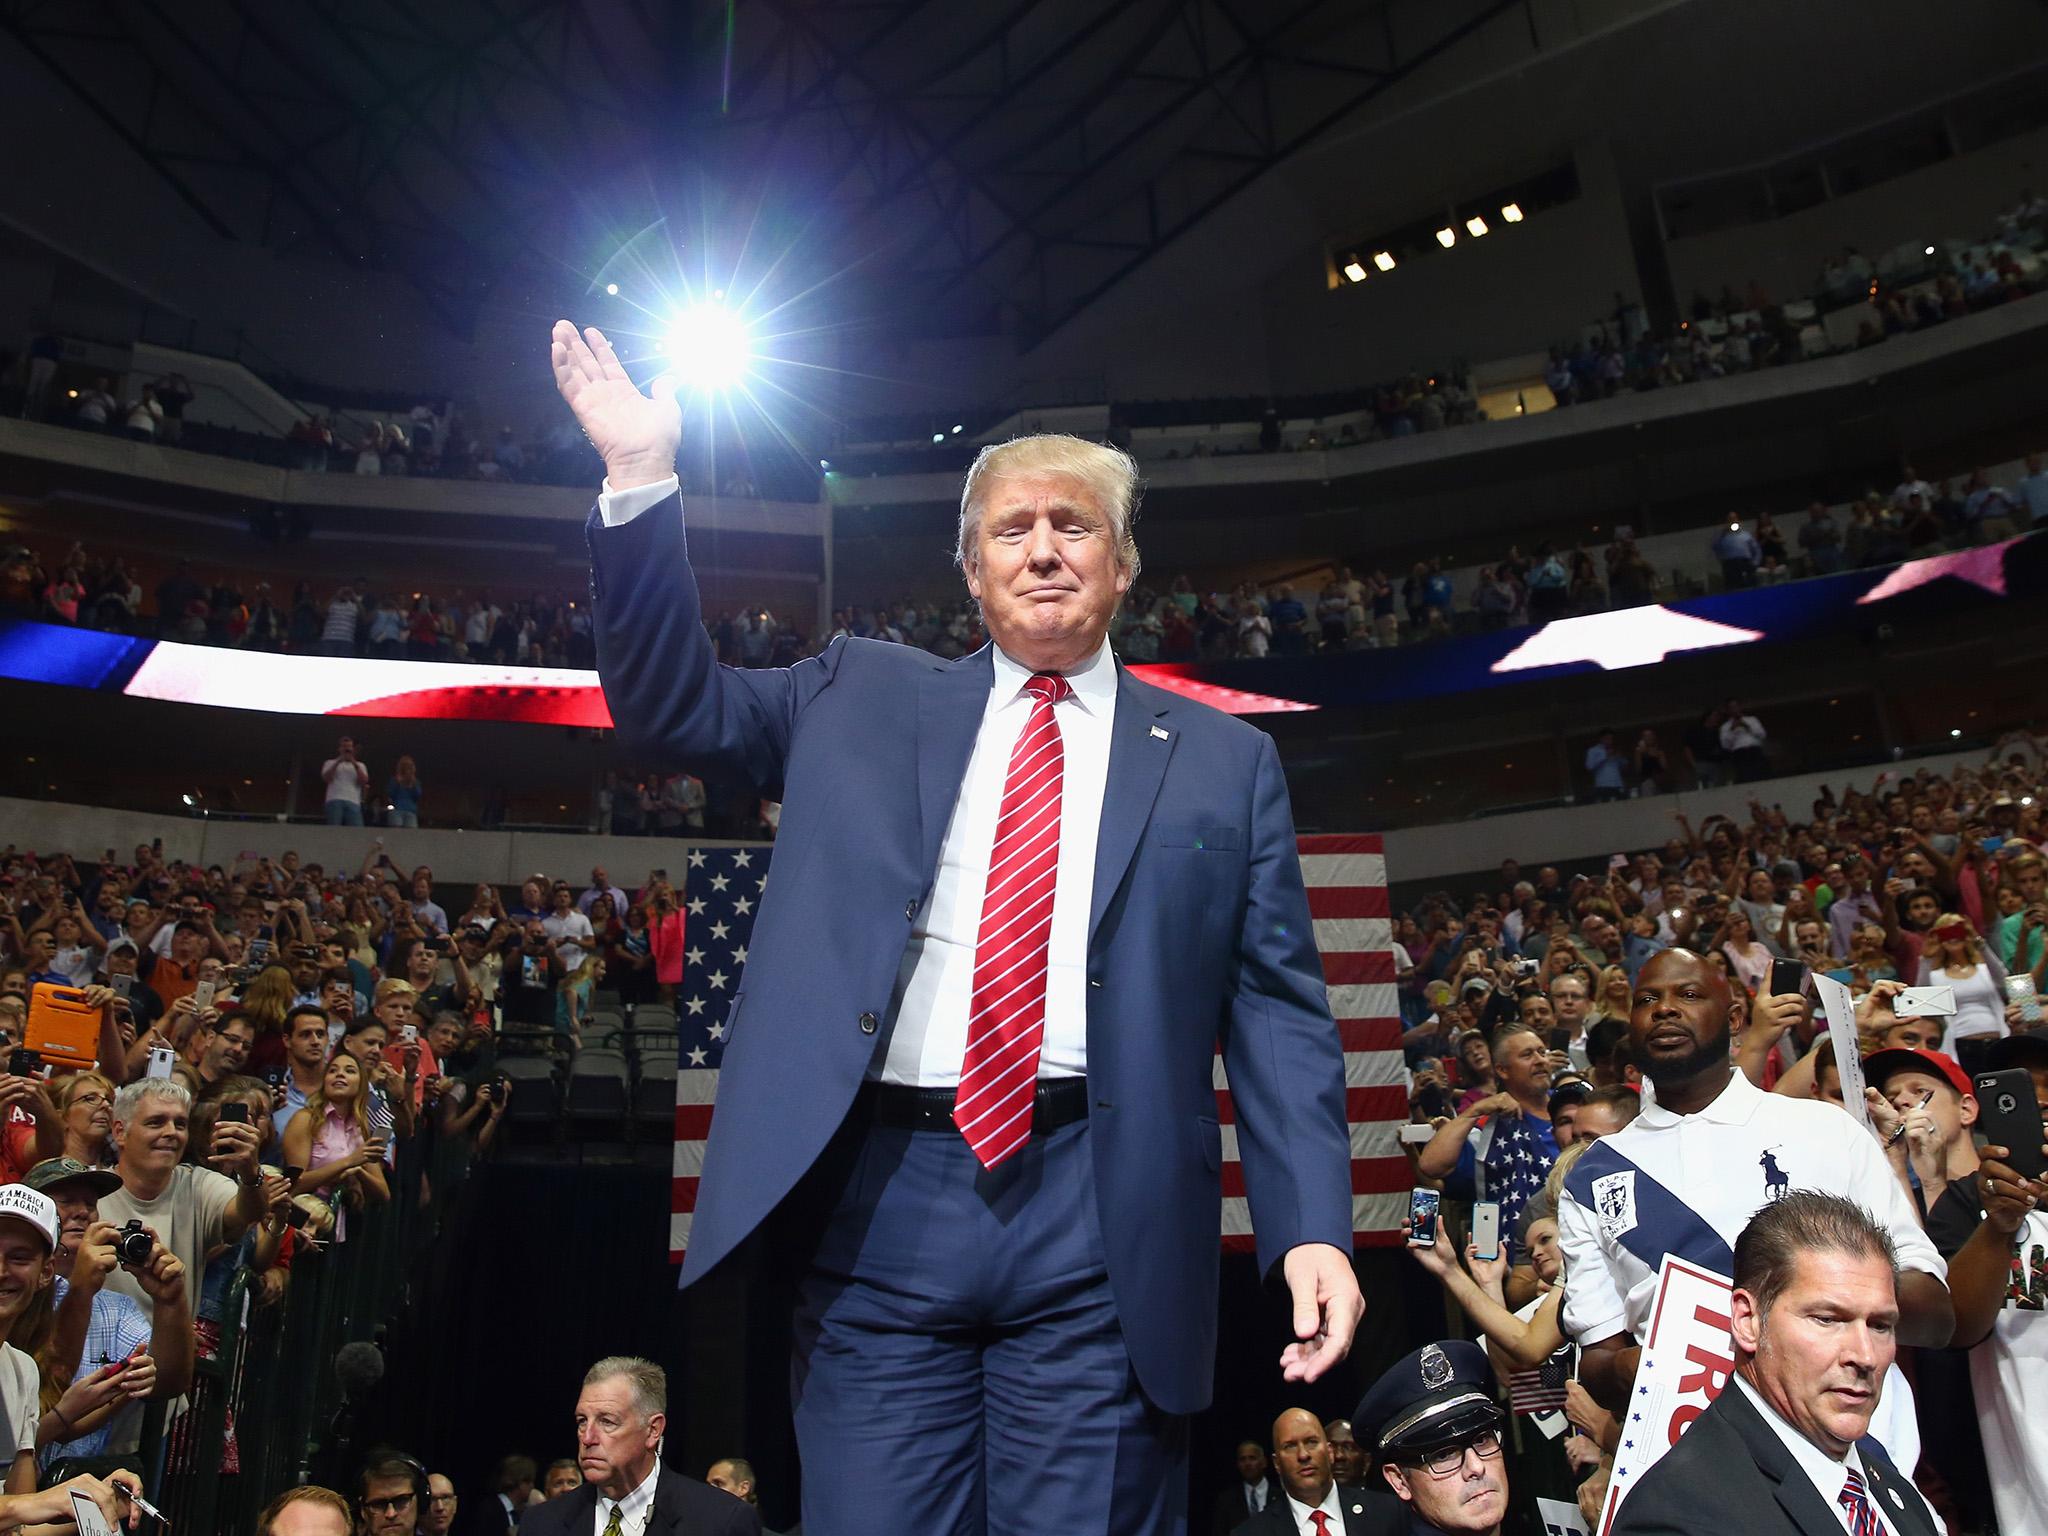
{"x":636,"y":434}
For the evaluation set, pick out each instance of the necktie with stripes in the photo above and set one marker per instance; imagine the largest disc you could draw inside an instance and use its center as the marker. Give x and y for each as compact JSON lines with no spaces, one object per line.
{"x":1862,"y":1518}
{"x":1006,"y":1017}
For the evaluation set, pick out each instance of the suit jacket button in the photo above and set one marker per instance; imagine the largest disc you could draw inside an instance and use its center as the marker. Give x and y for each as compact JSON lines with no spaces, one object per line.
{"x":869,"y":1023}
{"x":910,"y":909}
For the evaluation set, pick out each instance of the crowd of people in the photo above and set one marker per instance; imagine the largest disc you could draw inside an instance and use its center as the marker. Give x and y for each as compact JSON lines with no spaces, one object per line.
{"x":1537,"y":1009}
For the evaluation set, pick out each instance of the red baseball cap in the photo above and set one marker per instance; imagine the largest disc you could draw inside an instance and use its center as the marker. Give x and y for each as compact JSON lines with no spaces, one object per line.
{"x":1879,"y":1065}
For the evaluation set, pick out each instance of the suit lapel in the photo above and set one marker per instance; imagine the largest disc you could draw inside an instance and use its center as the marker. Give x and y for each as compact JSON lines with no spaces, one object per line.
{"x":1902,"y":1507}
{"x":1801,"y":1501}
{"x":951,"y":700}
{"x":1139,"y":746}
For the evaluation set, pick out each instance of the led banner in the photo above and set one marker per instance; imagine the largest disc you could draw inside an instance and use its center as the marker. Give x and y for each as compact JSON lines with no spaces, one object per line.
{"x":2014,"y":572}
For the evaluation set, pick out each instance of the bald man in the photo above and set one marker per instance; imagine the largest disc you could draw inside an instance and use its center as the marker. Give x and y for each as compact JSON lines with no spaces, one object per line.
{"x":1688,"y":1173}
{"x":1313,"y":1502}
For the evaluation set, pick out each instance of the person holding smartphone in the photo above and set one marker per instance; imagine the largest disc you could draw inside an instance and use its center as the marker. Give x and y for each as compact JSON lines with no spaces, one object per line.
{"x":330,"y":1141}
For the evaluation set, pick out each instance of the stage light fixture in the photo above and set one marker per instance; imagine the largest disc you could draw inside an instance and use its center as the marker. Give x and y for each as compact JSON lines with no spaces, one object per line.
{"x":1475,"y":226}
{"x":825,"y":464}
{"x":1930,"y":250}
{"x":611,"y":290}
{"x":1354,"y":269}
{"x":1447,"y":237}
{"x":1511,"y":213}
{"x":938,"y":437}
{"x":1384,"y":260}
{"x":708,"y":344}
{"x":959,"y":427}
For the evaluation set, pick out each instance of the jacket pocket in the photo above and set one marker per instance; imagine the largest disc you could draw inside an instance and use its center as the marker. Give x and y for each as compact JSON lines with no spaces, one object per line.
{"x":1190,"y":834}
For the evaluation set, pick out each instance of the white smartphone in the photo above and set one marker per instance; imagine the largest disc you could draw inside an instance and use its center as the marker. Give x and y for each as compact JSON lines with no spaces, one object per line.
{"x":1486,"y":1229}
{"x":2020,"y":989}
{"x":408,"y":1034}
{"x":1417,"y":1135}
{"x":1925,"y":1003}
{"x":161,"y":1059}
{"x":202,"y":996}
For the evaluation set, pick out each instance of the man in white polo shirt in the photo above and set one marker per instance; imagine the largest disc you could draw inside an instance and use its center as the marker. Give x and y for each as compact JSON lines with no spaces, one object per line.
{"x":1696,"y":1164}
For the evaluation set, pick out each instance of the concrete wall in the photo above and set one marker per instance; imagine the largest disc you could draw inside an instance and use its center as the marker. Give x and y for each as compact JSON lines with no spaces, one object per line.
{"x":1956,"y":199}
{"x":505,"y":858}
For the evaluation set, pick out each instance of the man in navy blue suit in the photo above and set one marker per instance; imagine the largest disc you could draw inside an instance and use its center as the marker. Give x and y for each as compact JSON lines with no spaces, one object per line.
{"x":967,"y":1092}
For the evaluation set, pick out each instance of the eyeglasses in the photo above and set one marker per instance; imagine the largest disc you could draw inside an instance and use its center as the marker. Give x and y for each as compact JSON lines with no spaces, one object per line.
{"x":1447,"y":1459}
{"x":388,"y":1506}
{"x":440,"y":1498}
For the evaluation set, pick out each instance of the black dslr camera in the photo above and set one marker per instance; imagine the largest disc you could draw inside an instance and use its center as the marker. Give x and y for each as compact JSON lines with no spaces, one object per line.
{"x":132,"y":1245}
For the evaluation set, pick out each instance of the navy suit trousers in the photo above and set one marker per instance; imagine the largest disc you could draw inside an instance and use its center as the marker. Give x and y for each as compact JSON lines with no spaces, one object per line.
{"x":958,"y":1365}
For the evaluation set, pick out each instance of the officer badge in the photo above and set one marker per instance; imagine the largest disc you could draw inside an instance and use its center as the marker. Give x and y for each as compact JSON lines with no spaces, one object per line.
{"x":1436,"y":1368}
{"x":1614,"y":1202}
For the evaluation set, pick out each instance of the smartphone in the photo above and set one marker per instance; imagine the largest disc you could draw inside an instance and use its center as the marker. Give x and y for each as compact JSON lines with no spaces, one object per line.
{"x":124,"y":986}
{"x":202,"y":996}
{"x":2008,"y":1115}
{"x":1618,"y":861}
{"x":161,"y":1059}
{"x":1787,"y":977}
{"x":408,"y":1034}
{"x":2020,"y":989}
{"x":1422,"y":1209}
{"x":1486,"y":1229}
{"x":1417,"y":1135}
{"x":291,"y":1173}
{"x":25,"y":1063}
{"x":1924,"y":1003}
{"x":235,"y":1112}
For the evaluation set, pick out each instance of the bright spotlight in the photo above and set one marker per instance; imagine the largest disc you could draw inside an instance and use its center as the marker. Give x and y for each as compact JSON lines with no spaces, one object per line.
{"x":1511,"y":213}
{"x":959,"y":427}
{"x":1384,"y":261}
{"x":938,"y":437}
{"x":824,"y":463}
{"x":1447,"y":237}
{"x":1475,"y":226}
{"x":1354,"y":269}
{"x":709,"y":347}
{"x":612,"y":289}
{"x":1930,"y":250}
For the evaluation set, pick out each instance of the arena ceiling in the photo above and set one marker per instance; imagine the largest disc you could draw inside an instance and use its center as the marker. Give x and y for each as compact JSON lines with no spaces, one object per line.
{"x":1011,"y":158}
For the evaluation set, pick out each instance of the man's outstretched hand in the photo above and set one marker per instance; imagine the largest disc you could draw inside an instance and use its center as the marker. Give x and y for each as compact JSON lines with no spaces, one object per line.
{"x":1327,"y":1307}
{"x":636,"y":435}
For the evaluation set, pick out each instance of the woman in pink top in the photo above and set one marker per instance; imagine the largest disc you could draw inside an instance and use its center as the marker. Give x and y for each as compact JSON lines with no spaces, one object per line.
{"x":330,"y":1140}
{"x":665,"y":936}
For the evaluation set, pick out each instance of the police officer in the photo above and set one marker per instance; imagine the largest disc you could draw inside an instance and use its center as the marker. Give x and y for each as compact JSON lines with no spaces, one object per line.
{"x":1434,"y":1430}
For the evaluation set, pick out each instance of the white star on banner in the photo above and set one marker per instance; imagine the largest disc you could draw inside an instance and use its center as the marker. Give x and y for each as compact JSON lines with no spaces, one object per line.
{"x":697,"y":1055}
{"x":742,"y":859}
{"x":716,"y":1031}
{"x":718,"y":980}
{"x":696,"y":858}
{"x":695,"y":1005}
{"x":693,"y":956}
{"x":696,"y":905}
{"x":742,"y":906}
{"x":739,"y":955}
{"x":719,"y":930}
{"x":719,"y":882}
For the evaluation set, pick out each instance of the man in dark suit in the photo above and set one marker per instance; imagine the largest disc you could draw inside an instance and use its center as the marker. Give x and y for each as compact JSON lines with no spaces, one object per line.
{"x":1814,"y":1316}
{"x":1255,"y":1488}
{"x":621,"y":1415}
{"x":1018,"y":901}
{"x":1433,"y":1424}
{"x":1312,"y":1501}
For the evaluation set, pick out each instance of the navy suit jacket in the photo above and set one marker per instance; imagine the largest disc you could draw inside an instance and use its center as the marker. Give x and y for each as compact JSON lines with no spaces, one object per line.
{"x":1199,"y":931}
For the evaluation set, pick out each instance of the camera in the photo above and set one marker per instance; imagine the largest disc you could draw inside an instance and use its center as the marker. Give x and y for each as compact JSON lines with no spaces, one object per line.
{"x":132,"y":1245}
{"x":1522,"y":965}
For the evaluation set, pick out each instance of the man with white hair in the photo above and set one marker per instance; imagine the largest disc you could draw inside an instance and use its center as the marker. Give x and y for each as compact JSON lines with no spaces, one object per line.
{"x":621,"y":1416}
{"x":191,"y":1210}
{"x":978,"y":1098}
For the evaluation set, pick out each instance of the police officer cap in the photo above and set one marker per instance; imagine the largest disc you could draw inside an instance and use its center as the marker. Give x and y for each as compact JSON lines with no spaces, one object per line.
{"x":1440,"y":1395}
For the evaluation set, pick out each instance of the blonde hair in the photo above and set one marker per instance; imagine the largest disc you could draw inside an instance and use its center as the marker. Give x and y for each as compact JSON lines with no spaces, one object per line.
{"x":1973,"y":941}
{"x":357,"y":1113}
{"x":1110,"y":474}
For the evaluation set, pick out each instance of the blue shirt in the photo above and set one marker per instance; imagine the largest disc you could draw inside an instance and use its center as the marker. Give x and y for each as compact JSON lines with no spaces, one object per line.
{"x":2034,"y":492}
{"x":1605,"y":766}
{"x":118,"y":1325}
{"x":1738,"y":544}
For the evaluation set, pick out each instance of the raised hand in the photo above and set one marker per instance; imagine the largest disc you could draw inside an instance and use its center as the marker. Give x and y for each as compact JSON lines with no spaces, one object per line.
{"x":635,"y":434}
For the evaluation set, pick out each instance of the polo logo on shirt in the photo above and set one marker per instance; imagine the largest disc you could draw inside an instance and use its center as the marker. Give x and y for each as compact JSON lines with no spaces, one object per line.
{"x":1614,"y":1202}
{"x":1777,"y":1182}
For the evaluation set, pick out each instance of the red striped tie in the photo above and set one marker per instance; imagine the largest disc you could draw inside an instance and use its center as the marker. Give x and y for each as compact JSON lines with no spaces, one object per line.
{"x":1006,"y":1019}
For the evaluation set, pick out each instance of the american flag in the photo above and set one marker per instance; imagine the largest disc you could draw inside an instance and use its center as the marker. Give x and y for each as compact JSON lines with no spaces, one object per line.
{"x":1542,"y":1389}
{"x":1347,"y":894}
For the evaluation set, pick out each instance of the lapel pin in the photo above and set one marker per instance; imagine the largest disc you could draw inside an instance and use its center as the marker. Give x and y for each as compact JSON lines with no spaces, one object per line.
{"x":1358,"y":1509}
{"x":1160,"y":732}
{"x":1898,"y":1502}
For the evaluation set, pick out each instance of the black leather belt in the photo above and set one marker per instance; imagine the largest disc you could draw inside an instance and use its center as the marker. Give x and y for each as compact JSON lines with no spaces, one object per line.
{"x":1058,"y":1101}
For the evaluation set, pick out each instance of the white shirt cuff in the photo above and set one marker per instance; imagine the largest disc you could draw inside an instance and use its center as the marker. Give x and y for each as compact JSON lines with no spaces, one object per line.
{"x":617,"y":508}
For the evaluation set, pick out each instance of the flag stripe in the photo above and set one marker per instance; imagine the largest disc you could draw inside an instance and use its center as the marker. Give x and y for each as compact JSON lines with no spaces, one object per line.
{"x":1346,"y":880}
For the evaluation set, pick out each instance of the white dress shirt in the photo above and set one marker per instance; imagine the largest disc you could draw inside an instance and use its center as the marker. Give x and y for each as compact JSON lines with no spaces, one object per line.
{"x":1828,"y":1475}
{"x":634,"y":1508}
{"x":1330,"y":1506}
{"x":935,"y":986}
{"x":927,"y":1038}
